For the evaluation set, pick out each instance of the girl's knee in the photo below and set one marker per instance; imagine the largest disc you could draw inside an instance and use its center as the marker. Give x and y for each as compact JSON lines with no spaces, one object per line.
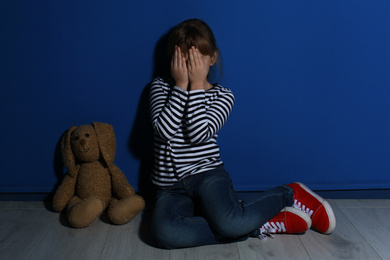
{"x":167,"y":239}
{"x":164,"y":234}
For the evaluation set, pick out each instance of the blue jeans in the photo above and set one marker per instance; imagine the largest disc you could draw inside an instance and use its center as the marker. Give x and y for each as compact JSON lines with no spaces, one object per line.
{"x":204,"y":209}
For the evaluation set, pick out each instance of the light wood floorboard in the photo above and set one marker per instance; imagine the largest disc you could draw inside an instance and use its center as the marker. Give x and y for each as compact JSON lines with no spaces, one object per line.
{"x":62,"y":242}
{"x":123,"y":242}
{"x":372,"y":221}
{"x":217,"y":252}
{"x":29,"y":230}
{"x":344,"y":243}
{"x":22,"y":230}
{"x":281,"y":247}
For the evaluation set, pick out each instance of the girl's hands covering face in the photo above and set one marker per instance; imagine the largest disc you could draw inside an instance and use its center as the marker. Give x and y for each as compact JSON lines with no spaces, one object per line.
{"x":179,"y":69}
{"x":192,"y":68}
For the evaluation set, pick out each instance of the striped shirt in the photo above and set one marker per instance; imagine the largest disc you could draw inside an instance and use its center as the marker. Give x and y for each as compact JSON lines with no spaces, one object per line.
{"x":186,"y":125}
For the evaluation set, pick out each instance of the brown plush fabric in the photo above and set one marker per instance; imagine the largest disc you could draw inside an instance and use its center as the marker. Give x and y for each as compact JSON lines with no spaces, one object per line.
{"x":93,"y":182}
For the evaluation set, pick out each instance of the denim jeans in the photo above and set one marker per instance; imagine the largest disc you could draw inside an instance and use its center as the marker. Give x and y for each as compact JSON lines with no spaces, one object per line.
{"x":204,"y":209}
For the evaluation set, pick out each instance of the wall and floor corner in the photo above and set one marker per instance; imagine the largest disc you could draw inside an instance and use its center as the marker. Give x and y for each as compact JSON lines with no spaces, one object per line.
{"x":311,"y":81}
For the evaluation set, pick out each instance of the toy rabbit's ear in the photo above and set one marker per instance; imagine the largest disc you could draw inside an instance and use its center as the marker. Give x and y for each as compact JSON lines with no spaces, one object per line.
{"x":107,"y":142}
{"x":66,"y":152}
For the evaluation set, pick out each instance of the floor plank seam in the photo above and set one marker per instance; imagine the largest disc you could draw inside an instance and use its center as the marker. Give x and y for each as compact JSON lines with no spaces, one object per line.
{"x":105,"y":243}
{"x":368,"y":242}
{"x":303,"y":245}
{"x":238,"y":251}
{"x":40,"y":241}
{"x":358,"y":230}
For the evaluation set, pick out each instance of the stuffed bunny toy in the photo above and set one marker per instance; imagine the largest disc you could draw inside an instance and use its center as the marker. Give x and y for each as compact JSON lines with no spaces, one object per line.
{"x":93,"y":182}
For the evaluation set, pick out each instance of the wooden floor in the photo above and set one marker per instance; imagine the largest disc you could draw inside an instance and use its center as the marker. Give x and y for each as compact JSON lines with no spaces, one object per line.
{"x":29,"y":230}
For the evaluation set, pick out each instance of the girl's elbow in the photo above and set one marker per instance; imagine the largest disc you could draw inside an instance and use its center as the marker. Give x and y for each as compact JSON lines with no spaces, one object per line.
{"x":164,"y":136}
{"x":161,"y":133}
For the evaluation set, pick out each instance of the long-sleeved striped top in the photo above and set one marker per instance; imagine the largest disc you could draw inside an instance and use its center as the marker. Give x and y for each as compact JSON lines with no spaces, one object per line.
{"x":186,"y":125}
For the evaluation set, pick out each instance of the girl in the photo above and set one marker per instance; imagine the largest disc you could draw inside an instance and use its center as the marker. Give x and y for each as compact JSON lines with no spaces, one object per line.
{"x":196,"y":203}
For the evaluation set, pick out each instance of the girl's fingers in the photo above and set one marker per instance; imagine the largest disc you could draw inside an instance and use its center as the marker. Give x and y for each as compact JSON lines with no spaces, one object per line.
{"x":183,"y":62}
{"x":196,"y":56}
{"x":174,"y":58}
{"x":178,"y":60}
{"x":199,"y":58}
{"x":193,"y":56}
{"x":196,"y":63}
{"x":190,"y":57}
{"x":178,"y":56}
{"x":189,"y":60}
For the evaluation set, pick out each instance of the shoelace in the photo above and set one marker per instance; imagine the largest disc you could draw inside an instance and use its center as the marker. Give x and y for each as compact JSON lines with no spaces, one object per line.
{"x":298,"y":205}
{"x":270,"y":228}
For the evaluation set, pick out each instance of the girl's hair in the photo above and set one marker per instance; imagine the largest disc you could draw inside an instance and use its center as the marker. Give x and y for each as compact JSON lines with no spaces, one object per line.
{"x":197,"y":33}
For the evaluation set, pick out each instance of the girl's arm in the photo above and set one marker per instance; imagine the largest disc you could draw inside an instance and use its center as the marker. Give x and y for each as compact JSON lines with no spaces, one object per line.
{"x":202,"y":123}
{"x":167,"y":108}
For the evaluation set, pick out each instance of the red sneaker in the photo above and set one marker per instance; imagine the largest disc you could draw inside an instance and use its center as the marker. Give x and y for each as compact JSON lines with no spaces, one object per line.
{"x":288,"y":221}
{"x":319,"y":210}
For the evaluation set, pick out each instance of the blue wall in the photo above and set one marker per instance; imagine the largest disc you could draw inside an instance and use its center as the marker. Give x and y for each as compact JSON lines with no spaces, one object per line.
{"x":311,"y":80}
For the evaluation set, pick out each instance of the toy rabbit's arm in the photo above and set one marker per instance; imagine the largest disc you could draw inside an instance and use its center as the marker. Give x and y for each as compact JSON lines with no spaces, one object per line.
{"x":67,"y":188}
{"x":120,"y":185}
{"x":64,"y":192}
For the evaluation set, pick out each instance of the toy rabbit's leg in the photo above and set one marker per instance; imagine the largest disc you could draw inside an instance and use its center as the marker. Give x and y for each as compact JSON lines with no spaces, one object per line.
{"x":84,"y":212}
{"x":124,"y":210}
{"x":64,"y":193}
{"x":72,"y":202}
